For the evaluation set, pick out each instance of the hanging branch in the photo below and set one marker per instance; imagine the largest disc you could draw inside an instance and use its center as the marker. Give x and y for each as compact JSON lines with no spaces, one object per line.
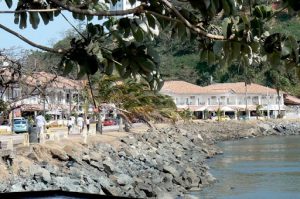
{"x":136,"y":10}
{"x":45,"y":48}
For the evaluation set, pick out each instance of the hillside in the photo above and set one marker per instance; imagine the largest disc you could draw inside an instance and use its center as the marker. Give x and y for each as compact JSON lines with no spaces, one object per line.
{"x":177,"y":62}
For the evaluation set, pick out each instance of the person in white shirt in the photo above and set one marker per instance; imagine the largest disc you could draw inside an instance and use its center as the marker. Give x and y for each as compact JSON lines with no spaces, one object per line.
{"x":40,"y":123}
{"x":80,"y":123}
{"x":70,"y":125}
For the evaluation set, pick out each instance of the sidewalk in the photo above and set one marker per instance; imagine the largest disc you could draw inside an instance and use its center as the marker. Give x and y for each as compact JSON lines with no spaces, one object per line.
{"x":110,"y":134}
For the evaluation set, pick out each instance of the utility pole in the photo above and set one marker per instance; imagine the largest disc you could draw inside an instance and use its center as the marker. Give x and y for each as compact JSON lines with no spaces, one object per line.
{"x":70,"y":102}
{"x":13,"y":111}
{"x":44,"y":103}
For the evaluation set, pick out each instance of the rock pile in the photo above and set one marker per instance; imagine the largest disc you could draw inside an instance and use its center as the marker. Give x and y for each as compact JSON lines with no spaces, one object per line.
{"x":145,"y":165}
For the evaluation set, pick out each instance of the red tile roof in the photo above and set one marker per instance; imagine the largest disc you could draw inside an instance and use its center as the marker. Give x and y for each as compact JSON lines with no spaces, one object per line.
{"x":181,"y":87}
{"x":44,"y":79}
{"x":291,"y":100}
{"x":52,"y":81}
{"x":239,"y":87}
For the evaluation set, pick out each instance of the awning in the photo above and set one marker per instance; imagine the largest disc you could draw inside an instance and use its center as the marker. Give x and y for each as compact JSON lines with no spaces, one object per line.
{"x":202,"y":108}
{"x":227,"y":109}
{"x":243,"y":107}
{"x":213,"y":108}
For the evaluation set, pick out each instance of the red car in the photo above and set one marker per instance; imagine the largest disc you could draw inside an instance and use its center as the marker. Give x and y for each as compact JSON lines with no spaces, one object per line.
{"x":109,"y":122}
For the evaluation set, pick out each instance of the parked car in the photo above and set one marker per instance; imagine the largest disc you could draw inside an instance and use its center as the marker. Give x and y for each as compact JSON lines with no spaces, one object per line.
{"x":19,"y":118}
{"x":20,"y":126}
{"x":109,"y":122}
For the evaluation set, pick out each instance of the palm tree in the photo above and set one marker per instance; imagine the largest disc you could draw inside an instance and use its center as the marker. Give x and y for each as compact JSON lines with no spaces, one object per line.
{"x":133,"y":99}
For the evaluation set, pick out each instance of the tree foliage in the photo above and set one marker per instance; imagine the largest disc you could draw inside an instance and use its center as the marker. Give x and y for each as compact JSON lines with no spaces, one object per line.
{"x":225,"y":31}
{"x":135,"y":97}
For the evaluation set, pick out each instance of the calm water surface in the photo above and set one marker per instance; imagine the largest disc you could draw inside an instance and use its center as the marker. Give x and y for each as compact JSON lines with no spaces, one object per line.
{"x":257,"y":168}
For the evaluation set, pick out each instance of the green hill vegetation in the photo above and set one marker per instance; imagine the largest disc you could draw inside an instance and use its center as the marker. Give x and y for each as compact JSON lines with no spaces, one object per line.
{"x":181,"y":61}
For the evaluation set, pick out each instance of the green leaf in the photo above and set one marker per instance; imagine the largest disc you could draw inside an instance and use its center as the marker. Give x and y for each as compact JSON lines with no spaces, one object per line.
{"x":34,"y":19}
{"x":56,"y":13}
{"x":45,"y":17}
{"x":17,"y":18}
{"x":9,"y":3}
{"x":257,"y":12}
{"x":23,"y":21}
{"x":225,"y":23}
{"x":109,"y":68}
{"x":151,"y":20}
{"x":89,"y":17}
{"x":142,"y":25}
{"x":138,"y":35}
{"x":153,"y":54}
{"x":146,"y":64}
{"x":149,"y":77}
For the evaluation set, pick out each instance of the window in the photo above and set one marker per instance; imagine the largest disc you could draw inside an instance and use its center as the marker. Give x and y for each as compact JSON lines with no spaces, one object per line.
{"x":255,"y":100}
{"x":59,"y":96}
{"x":67,"y":97}
{"x":16,"y":92}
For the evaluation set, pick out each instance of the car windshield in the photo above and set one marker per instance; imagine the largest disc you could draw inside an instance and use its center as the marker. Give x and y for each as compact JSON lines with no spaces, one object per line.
{"x":20,"y":122}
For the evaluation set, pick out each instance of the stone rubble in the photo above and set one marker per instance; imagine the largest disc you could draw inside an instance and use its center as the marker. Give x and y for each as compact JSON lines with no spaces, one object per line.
{"x":160,"y":163}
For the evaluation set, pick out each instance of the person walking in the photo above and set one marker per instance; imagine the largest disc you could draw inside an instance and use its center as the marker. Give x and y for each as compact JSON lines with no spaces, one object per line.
{"x":70,"y":125}
{"x":40,"y":123}
{"x":80,"y":123}
{"x":87,"y":122}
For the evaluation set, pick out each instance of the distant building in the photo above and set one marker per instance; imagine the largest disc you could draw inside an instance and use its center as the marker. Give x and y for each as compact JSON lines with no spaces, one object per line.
{"x":40,"y":91}
{"x":233,"y":99}
{"x":123,"y":5}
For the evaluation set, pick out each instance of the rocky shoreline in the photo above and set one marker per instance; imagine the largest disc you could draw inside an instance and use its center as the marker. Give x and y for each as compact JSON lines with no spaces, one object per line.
{"x":158,"y":163}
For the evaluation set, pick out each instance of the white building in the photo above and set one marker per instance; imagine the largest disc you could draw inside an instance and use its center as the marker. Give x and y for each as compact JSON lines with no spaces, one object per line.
{"x":232,"y":99}
{"x":41,"y":91}
{"x":123,"y":5}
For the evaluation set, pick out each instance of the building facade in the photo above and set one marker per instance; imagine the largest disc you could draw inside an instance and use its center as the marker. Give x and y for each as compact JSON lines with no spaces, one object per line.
{"x":233,"y":99}
{"x":123,"y":5}
{"x":44,"y":92}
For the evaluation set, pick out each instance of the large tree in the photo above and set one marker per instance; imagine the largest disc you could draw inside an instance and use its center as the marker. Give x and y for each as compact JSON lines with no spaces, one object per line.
{"x":242,"y":36}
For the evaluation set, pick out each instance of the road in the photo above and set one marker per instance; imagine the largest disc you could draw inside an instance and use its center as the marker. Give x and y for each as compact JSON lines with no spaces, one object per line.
{"x":18,"y":139}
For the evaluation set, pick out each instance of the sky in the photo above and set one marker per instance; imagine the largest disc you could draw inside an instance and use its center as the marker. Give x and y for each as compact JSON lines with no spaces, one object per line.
{"x":45,"y":34}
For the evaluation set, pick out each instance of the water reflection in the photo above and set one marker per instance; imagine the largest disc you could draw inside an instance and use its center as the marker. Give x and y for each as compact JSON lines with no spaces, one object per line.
{"x":257,"y":168}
